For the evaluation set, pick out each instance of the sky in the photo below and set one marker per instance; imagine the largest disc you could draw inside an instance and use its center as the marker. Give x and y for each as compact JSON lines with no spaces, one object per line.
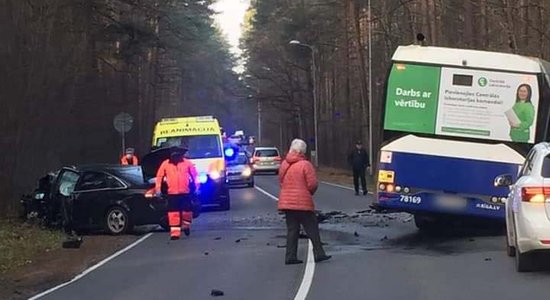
{"x":230,"y":18}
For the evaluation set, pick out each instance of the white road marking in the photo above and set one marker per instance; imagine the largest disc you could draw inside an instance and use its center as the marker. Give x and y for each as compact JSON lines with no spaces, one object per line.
{"x":310,"y":264}
{"x":341,"y":186}
{"x":308,"y":275}
{"x":266,"y":193}
{"x":91,"y":269}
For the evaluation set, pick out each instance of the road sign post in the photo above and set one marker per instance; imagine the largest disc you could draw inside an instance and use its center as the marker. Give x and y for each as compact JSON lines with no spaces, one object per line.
{"x":123,"y":123}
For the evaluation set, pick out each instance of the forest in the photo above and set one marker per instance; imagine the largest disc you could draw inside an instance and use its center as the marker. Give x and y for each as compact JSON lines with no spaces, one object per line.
{"x":70,"y":66}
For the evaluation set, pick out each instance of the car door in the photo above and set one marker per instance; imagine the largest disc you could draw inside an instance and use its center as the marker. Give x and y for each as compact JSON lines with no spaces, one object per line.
{"x":63,"y":193}
{"x":94,"y":193}
{"x":514,"y":202}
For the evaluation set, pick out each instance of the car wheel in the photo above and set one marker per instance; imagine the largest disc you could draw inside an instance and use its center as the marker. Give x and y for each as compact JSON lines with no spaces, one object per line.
{"x":117,"y":221}
{"x":523,"y":261}
{"x":510,"y":250}
{"x":225,"y":205}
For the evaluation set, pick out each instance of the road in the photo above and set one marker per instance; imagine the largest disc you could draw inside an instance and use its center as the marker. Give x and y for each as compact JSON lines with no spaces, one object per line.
{"x":375,"y":256}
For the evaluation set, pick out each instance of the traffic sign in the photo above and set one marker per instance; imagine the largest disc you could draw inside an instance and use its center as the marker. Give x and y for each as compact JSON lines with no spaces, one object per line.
{"x":123,"y":122}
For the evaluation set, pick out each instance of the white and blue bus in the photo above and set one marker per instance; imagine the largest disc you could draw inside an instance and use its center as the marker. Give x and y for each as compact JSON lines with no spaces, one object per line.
{"x":454,"y":119}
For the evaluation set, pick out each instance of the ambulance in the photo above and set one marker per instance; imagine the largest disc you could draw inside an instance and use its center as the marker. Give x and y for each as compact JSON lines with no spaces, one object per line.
{"x":202,"y":136}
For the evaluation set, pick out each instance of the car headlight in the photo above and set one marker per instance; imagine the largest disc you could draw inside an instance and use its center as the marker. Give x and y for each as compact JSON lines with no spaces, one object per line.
{"x":247,"y":172}
{"x":215,"y":175}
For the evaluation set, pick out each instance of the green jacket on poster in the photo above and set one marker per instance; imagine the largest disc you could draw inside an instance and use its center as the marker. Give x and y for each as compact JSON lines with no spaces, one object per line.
{"x":526,"y":114}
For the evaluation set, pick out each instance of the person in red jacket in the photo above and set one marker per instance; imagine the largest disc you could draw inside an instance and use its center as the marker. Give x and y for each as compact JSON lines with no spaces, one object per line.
{"x":129,"y":158}
{"x":298,"y":184}
{"x":179,"y":174}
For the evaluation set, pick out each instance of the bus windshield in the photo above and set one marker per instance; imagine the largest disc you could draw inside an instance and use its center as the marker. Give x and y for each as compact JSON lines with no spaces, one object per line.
{"x":200,"y":146}
{"x":462,"y":103}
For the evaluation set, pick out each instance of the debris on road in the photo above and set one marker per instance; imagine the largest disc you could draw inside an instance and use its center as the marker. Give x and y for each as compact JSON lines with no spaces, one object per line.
{"x":281,"y":246}
{"x":206,"y":253}
{"x":355,"y":233}
{"x":216,"y":293}
{"x":488,"y":259}
{"x":384,"y":238}
{"x":238,"y":241}
{"x":218,"y":238}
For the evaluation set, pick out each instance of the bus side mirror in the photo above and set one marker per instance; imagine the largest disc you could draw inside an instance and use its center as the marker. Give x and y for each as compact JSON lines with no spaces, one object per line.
{"x":503,"y":180}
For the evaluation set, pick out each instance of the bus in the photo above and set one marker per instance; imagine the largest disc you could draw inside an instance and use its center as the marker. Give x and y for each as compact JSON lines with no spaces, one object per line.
{"x":453,"y":120}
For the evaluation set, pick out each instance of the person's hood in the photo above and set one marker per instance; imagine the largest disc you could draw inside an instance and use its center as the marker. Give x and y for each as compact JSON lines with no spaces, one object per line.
{"x":294,"y":157}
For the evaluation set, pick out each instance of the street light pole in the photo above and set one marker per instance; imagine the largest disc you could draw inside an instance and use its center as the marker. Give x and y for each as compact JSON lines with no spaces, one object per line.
{"x":314,"y":79}
{"x":370,"y":88}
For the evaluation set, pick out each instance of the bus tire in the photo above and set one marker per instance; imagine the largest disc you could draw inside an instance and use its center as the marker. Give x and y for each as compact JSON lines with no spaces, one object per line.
{"x":423,"y":223}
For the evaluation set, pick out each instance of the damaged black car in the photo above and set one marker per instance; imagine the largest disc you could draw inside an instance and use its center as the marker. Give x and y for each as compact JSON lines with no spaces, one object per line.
{"x":112,"y":198}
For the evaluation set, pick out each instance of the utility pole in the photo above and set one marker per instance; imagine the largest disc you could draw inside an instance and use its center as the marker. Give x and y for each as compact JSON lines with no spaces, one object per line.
{"x":371,"y":147}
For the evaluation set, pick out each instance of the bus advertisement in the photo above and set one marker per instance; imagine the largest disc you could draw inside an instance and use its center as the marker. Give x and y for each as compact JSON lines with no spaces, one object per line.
{"x":454,"y":119}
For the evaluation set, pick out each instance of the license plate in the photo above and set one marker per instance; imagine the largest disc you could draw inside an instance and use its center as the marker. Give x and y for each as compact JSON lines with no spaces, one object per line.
{"x":452,"y":202}
{"x":234,"y":177}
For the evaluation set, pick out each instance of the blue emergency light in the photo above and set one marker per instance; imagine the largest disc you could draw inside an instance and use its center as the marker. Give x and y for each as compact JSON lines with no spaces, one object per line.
{"x":203,"y":178}
{"x":230,"y":151}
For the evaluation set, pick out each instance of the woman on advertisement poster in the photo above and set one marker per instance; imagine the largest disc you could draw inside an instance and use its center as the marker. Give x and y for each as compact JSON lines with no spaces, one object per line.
{"x":523,"y":115}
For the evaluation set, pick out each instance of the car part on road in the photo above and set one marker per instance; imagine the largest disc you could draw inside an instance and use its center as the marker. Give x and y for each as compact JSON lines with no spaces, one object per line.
{"x":216,"y":293}
{"x":117,"y":221}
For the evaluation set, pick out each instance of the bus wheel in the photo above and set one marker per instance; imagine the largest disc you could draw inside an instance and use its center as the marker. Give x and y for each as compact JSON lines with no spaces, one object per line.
{"x":424,"y":223}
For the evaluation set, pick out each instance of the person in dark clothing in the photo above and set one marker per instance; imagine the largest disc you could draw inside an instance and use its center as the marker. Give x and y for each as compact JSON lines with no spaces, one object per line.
{"x":359,"y":161}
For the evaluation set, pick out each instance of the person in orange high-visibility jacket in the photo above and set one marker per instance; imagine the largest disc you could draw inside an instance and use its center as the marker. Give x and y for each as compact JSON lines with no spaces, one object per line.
{"x":129,"y":158}
{"x":179,"y":174}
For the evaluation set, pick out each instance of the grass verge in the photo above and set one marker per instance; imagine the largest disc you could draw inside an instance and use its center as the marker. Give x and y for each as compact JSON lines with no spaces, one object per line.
{"x":342,"y":177}
{"x":21,"y":243}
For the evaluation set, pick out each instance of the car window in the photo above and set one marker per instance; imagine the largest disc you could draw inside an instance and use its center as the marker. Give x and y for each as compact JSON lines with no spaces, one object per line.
{"x":67,"y":182}
{"x":92,"y":181}
{"x":267,"y":153}
{"x":528,"y":164}
{"x":98,"y":181}
{"x":545,"y":172}
{"x":241,"y":159}
{"x":132,"y":176}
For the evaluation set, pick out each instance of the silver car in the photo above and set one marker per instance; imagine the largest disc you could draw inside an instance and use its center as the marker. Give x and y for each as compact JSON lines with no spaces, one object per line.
{"x":266,"y":159}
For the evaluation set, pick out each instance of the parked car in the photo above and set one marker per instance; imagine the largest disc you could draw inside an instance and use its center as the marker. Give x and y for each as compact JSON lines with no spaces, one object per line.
{"x":112,"y":198}
{"x":528,"y":208}
{"x":266,"y":159}
{"x":239,"y":171}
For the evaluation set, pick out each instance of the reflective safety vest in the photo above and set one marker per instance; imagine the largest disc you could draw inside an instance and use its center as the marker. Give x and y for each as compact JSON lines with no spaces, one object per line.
{"x":124,"y":161}
{"x":177,"y":177}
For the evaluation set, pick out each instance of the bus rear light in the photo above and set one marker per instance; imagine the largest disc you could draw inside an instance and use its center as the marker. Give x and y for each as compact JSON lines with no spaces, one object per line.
{"x":390,"y":188}
{"x":382,"y":187}
{"x":494,"y":199}
{"x":406,"y":190}
{"x":545,"y":242}
{"x":537,"y":194}
{"x":398,"y":188}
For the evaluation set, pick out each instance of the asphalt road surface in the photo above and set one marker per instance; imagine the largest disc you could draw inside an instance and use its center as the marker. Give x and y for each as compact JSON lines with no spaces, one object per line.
{"x":375,"y":256}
